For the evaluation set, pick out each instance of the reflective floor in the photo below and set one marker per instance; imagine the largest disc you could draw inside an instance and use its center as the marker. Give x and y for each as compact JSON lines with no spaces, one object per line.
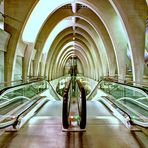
{"x":45,"y":131}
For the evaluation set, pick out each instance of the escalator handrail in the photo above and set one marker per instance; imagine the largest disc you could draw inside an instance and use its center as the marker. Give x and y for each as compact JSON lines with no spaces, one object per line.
{"x":96,"y":87}
{"x":16,"y":121}
{"x":66,"y":106}
{"x":54,"y":91}
{"x":118,"y":107}
{"x":22,"y":80}
{"x":132,"y":121}
{"x":116,"y":81}
{"x":10,"y":87}
{"x":83,"y":112}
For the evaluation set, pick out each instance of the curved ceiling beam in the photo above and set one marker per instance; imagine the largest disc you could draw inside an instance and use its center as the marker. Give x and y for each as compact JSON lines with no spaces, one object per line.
{"x":71,"y":49}
{"x":78,"y":49}
{"x":51,"y":61}
{"x":53,"y":46}
{"x":99,"y":49}
{"x":133,"y":15}
{"x":80,"y":56}
{"x":34,"y":25}
{"x":101,"y":30}
{"x":44,"y":34}
{"x":93,"y":47}
{"x":112,"y":22}
{"x":80,"y":44}
{"x":119,"y":43}
{"x":86,"y":41}
{"x":14,"y":27}
{"x":51,"y":52}
{"x":80,"y":65}
{"x":92,"y":52}
{"x":47,"y":28}
{"x":82,"y":59}
{"x":95,"y":6}
{"x":86,"y":29}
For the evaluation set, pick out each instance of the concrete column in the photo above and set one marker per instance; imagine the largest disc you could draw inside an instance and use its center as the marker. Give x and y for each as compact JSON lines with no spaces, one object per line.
{"x":27,"y":60}
{"x":133,"y":14}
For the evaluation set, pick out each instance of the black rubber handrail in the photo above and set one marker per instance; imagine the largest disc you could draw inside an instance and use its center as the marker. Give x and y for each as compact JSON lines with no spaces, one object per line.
{"x":66,"y":107}
{"x":117,"y":106}
{"x":126,"y":84}
{"x":131,"y":121}
{"x":26,"y":109}
{"x":67,"y":102}
{"x":14,"y":123}
{"x":10,"y":87}
{"x":82,"y":111}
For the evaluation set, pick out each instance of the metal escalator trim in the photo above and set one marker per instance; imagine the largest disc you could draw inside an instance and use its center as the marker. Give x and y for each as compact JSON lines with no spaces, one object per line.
{"x":96,"y":87}
{"x":12,"y":100}
{"x":125,"y":84}
{"x":83,"y":112}
{"x":132,"y":121}
{"x":54,"y":91}
{"x":11,"y":88}
{"x":66,"y":106}
{"x":15,"y":121}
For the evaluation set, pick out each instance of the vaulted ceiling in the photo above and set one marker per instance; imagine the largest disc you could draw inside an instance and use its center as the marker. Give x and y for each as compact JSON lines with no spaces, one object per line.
{"x":97,"y":32}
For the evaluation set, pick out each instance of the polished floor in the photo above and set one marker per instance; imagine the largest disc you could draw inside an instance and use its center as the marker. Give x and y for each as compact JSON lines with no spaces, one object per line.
{"x":45,"y":131}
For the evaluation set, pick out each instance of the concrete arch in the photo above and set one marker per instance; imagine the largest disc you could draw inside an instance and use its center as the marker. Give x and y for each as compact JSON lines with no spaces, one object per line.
{"x":78,"y":58}
{"x":94,"y":53}
{"x":114,"y":34}
{"x":52,"y":52}
{"x":82,"y":45}
{"x":133,"y":16}
{"x":80,"y":55}
{"x":14,"y":27}
{"x":96,"y":6}
{"x":105,"y":11}
{"x":70,"y":49}
{"x":52,"y":55}
{"x":99,"y":26}
{"x":112,"y":58}
{"x":80,"y":50}
{"x":98,"y":47}
{"x":85,"y":41}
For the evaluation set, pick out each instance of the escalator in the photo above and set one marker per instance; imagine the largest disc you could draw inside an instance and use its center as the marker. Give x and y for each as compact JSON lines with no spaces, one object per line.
{"x":44,"y":129}
{"x":131,"y":99}
{"x":17,"y":101}
{"x":74,"y":105}
{"x":9,"y":107}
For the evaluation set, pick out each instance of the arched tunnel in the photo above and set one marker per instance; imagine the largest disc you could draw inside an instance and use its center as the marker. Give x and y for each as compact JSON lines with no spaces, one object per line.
{"x":92,"y":50}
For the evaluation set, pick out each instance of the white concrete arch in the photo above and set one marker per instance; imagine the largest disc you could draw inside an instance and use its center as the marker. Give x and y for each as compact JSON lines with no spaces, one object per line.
{"x":79,"y":49}
{"x":82,"y":66}
{"x":83,"y":46}
{"x":48,"y":57}
{"x":133,"y":16}
{"x":80,"y":56}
